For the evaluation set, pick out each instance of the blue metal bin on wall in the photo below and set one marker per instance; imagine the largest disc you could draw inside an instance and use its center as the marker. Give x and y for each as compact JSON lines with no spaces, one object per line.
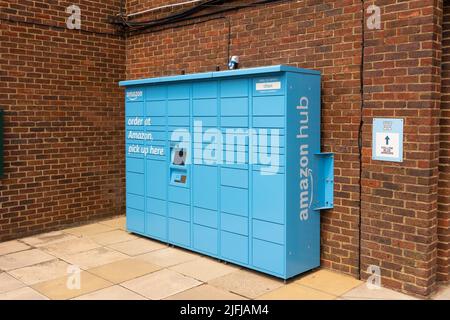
{"x":228,"y":164}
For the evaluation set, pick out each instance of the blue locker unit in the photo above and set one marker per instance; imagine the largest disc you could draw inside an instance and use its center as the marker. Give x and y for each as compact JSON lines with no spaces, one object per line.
{"x":229,"y":164}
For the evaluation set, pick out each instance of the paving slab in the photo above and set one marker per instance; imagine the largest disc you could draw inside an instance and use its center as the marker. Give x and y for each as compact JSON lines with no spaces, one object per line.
{"x":161,"y":284}
{"x":124,"y":270}
{"x":246,"y":283}
{"x":443,"y":293}
{"x":65,"y":287}
{"x":41,"y":272}
{"x":205,"y":292}
{"x":23,"y":259}
{"x":111,"y":293}
{"x":71,"y":246}
{"x":362,"y":292}
{"x":94,"y":258}
{"x":328,"y":281}
{"x":138,"y":246}
{"x":11,"y":247}
{"x":204,"y":269}
{"x":116,"y":223}
{"x":294,"y":291}
{"x":47,"y":238}
{"x":111,"y":237}
{"x":25,"y":293}
{"x":168,"y":257}
{"x":9,"y":283}
{"x":89,"y":230}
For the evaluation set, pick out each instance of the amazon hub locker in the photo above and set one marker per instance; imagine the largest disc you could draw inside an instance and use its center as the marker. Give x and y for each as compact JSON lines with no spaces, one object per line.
{"x":228,"y":164}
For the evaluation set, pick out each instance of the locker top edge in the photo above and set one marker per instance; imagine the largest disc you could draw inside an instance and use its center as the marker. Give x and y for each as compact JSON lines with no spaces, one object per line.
{"x":219,"y":74}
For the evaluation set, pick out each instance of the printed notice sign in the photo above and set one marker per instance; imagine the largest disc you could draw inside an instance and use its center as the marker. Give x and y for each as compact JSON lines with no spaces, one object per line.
{"x":387,"y":140}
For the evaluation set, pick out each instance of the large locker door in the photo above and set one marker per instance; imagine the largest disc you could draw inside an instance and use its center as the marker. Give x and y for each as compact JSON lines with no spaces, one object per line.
{"x":135,"y":162}
{"x":234,"y":189}
{"x":205,"y":170}
{"x":156,"y":176}
{"x":268,"y":178}
{"x":179,"y":191}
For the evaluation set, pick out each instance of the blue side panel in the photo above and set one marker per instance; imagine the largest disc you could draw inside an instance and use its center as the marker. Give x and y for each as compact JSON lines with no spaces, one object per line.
{"x":303,"y":141}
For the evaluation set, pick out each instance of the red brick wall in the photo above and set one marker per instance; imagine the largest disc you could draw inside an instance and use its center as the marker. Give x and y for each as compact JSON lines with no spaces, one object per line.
{"x":64,"y":116}
{"x":401,"y":79}
{"x":444,"y":180}
{"x":133,"y":6}
{"x":399,"y":201}
{"x":94,"y":13}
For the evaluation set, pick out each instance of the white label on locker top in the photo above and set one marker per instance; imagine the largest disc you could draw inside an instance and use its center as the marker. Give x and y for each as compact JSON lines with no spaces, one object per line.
{"x":261,"y":86}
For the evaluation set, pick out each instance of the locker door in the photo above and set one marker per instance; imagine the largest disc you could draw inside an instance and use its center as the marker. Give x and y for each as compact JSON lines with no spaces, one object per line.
{"x":205,"y":187}
{"x":156,"y":179}
{"x":135,"y":162}
{"x":268,"y":208}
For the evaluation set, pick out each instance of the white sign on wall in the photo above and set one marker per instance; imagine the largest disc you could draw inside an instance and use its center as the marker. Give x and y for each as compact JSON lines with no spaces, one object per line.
{"x":387,"y":140}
